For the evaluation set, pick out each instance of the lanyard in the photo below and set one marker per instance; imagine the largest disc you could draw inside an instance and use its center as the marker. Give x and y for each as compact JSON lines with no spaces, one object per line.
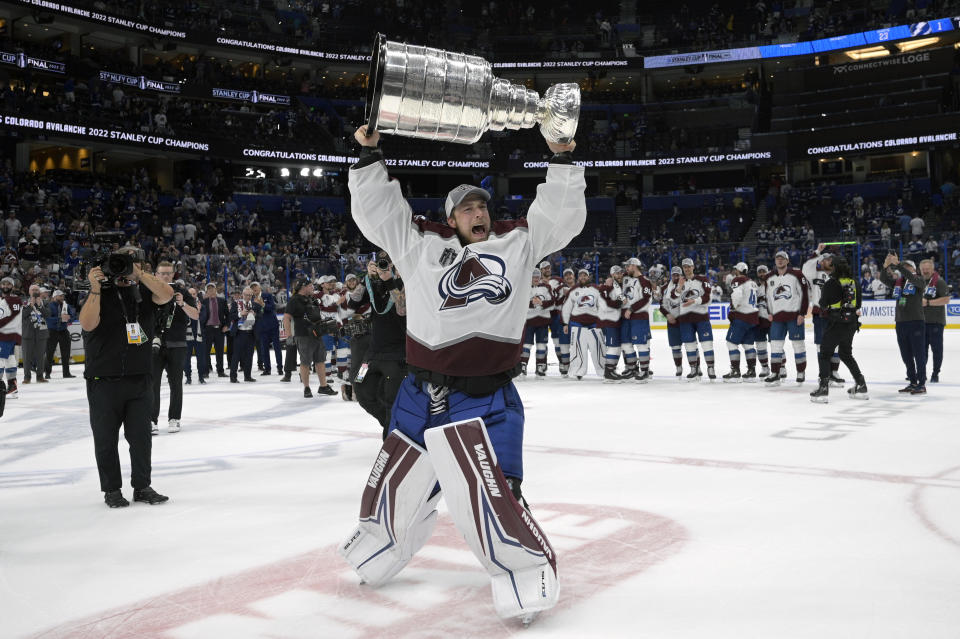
{"x":123,"y":307}
{"x":373,"y":303}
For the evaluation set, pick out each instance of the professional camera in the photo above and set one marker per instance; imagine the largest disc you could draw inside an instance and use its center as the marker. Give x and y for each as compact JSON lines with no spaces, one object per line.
{"x":383,"y":263}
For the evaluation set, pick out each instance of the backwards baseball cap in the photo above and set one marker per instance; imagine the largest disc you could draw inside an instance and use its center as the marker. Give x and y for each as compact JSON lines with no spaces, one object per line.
{"x":633,"y":261}
{"x":762,"y":268}
{"x":909,"y":263}
{"x":676,"y":270}
{"x":300,"y":283}
{"x":782,"y":254}
{"x":543,"y":264}
{"x":686,"y":262}
{"x":210,"y":285}
{"x":536,"y":273}
{"x":583,"y":270}
{"x":615,"y":269}
{"x":460,"y":193}
{"x":741,"y":266}
{"x":350,"y":276}
{"x":57,"y":292}
{"x":568,"y":270}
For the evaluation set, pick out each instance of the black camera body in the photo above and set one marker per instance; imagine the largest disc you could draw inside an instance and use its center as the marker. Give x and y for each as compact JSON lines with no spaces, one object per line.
{"x":116,"y":265}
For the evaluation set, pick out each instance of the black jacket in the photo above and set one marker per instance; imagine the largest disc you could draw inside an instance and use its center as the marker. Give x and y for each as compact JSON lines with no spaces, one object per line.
{"x":222,"y":310}
{"x":388,"y":330}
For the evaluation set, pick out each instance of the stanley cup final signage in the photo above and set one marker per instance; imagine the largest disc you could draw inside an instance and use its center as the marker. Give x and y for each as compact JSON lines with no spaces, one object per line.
{"x":25,"y":61}
{"x":439,"y":95}
{"x":254,"y":97}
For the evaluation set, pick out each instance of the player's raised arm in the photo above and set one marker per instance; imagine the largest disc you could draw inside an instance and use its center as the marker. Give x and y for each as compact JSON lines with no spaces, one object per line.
{"x":377,"y":204}
{"x":559,"y":211}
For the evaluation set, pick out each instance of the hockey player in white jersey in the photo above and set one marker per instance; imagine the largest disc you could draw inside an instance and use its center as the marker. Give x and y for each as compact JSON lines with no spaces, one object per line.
{"x":559,"y":297}
{"x":555,"y":284}
{"x":608,"y":323}
{"x":761,"y":333}
{"x":580,"y":313}
{"x":744,"y":317}
{"x":670,"y":303}
{"x":10,"y":336}
{"x":538,"y":321}
{"x":788,"y":295}
{"x":458,"y":418}
{"x":694,"y":320}
{"x":635,"y":325}
{"x":816,"y":270}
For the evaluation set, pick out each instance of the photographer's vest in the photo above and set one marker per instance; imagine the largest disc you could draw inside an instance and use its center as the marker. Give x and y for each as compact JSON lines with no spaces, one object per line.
{"x":846,"y":308}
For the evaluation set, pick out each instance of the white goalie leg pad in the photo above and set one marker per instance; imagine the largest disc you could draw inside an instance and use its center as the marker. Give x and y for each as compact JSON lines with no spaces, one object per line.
{"x":398,"y":511}
{"x":500,"y":532}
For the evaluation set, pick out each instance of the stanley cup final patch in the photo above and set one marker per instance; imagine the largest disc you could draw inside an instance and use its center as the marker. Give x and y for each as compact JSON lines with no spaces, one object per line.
{"x":447,"y":257}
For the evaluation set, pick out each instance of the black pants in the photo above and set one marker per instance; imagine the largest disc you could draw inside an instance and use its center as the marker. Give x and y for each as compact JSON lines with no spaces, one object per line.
{"x":243,"y":346}
{"x":358,"y":352}
{"x":270,"y":338}
{"x":170,"y":360}
{"x":379,"y":388}
{"x":291,"y":359}
{"x":912,"y":340}
{"x":195,"y":348}
{"x":934,"y":336}
{"x":61,"y":339}
{"x":839,"y":336}
{"x":213,"y":336}
{"x":125,"y":401}
{"x":230,"y":351}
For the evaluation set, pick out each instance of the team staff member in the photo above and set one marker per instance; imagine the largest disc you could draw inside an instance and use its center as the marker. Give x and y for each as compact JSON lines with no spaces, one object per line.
{"x":214,"y":322}
{"x":58,"y":316}
{"x":34,"y":333}
{"x":907,"y":286}
{"x":244,"y":314}
{"x":267,"y":329}
{"x":840,"y":302}
{"x":301,"y":311}
{"x":936,"y":296}
{"x":119,"y":319}
{"x":175,"y":317}
{"x":194,"y":344}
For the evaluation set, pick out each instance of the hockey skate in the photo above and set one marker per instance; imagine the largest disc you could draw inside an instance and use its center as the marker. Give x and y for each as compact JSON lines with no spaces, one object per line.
{"x":610,"y":376}
{"x":642,"y":377}
{"x":523,"y":371}
{"x":680,"y":373}
{"x":801,"y":377}
{"x":836,"y":381}
{"x":564,"y":370}
{"x":750,"y":376}
{"x":783,"y":372}
{"x":820,"y":395}
{"x":771,"y":380}
{"x":12,"y":389}
{"x":733,"y":377}
{"x":694,"y":375}
{"x":541,"y":372}
{"x":858,"y":391}
{"x":764,"y":371}
{"x":711,"y":373}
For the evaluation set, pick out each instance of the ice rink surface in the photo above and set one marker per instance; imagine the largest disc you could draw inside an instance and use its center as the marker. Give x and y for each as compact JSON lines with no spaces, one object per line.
{"x":677,"y":510}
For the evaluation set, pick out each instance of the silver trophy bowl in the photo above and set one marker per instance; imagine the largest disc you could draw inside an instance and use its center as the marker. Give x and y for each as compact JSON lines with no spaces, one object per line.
{"x":427,"y":93}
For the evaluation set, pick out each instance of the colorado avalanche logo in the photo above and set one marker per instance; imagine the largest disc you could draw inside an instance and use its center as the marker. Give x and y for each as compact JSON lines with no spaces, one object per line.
{"x":690,"y":294}
{"x":782,"y":292}
{"x":477,"y":276}
{"x":587,"y":301}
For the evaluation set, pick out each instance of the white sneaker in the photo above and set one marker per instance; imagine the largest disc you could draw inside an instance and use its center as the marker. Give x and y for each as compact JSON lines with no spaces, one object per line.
{"x":173,"y":426}
{"x":154,"y":429}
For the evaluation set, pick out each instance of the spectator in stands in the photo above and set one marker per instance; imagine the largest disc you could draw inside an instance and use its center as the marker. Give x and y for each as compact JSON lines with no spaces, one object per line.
{"x":916,"y":227}
{"x":11,"y":230}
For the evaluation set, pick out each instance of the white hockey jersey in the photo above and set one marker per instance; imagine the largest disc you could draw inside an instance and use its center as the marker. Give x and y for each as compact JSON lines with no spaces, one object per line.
{"x":330,"y":307}
{"x":540,"y":315}
{"x":816,"y":279}
{"x":10,"y":320}
{"x":670,"y":300}
{"x":582,"y":305}
{"x":764,"y":311}
{"x":466,"y":305}
{"x":637,"y":292}
{"x":697,"y":289}
{"x":611,"y":299}
{"x":788,"y":295}
{"x":744,"y":300}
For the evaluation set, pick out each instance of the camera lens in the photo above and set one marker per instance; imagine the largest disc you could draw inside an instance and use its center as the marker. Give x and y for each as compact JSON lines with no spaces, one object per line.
{"x":383,"y":264}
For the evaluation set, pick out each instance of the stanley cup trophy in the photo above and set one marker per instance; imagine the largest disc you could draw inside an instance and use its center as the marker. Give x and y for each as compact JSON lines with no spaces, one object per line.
{"x":428,"y":93}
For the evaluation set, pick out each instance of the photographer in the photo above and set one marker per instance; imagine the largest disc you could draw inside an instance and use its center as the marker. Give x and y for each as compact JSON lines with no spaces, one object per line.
{"x":34,"y":332}
{"x":195,"y":345}
{"x":301,"y":319}
{"x":170,"y":347}
{"x":59,"y":314}
{"x":907,"y":286}
{"x":119,"y":319}
{"x":840,"y":302}
{"x":383,"y":368}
